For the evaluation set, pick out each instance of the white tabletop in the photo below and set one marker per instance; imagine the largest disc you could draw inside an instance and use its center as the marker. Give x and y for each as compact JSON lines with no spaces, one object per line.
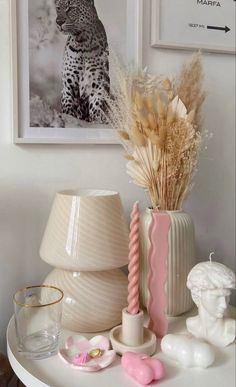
{"x":53,"y":372}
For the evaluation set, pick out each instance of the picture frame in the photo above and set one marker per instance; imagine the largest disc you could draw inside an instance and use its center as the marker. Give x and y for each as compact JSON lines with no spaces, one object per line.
{"x":91,"y":133}
{"x":193,"y":25}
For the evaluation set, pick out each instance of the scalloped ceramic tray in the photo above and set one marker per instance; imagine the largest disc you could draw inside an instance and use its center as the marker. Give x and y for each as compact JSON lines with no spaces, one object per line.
{"x":76,"y":352}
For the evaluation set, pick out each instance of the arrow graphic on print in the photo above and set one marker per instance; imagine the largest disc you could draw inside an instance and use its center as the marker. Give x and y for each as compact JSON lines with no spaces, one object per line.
{"x":226,"y":29}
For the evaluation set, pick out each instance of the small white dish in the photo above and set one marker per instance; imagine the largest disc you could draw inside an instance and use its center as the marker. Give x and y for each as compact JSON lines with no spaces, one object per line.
{"x":77,"y":345}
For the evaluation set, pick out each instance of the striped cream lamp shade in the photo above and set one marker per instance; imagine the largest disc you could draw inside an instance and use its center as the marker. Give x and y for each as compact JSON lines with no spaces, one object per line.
{"x":86,"y":231}
{"x":86,"y":240}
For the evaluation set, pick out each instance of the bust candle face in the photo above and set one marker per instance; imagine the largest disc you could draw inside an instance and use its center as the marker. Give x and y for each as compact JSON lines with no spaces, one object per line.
{"x":215,"y":301}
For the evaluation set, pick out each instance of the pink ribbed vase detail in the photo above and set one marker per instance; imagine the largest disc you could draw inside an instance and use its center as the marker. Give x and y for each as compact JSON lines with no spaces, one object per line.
{"x":133,"y":266}
{"x":158,"y":253}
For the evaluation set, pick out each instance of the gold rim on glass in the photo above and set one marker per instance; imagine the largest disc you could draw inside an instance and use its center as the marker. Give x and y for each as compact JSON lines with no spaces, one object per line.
{"x":39,"y":305}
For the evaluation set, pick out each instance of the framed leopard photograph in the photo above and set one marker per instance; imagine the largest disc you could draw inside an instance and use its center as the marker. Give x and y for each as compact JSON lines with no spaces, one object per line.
{"x":62,"y":66}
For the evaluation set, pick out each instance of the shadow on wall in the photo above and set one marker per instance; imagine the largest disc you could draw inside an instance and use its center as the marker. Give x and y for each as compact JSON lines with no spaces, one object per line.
{"x":22,"y":224}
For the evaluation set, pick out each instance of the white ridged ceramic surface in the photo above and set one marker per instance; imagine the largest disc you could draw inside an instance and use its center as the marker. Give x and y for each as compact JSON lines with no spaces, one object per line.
{"x":86,"y":231}
{"x":93,"y":301}
{"x":181,"y":259}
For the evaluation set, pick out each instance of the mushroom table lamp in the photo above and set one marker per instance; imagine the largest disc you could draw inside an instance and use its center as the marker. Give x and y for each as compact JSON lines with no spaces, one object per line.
{"x":86,"y":239}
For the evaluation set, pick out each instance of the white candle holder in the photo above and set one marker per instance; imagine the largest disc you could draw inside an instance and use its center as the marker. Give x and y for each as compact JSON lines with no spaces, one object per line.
{"x":132,"y":335}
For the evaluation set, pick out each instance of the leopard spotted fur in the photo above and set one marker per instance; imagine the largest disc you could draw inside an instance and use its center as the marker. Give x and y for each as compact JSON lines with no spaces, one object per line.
{"x":85,"y":74}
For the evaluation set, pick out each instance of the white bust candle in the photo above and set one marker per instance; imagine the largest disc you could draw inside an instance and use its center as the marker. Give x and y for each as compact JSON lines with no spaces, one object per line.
{"x":211,"y":284}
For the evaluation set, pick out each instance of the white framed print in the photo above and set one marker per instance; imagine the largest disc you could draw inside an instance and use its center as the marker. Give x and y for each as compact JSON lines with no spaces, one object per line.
{"x":61,"y":66}
{"x":194,"y":24}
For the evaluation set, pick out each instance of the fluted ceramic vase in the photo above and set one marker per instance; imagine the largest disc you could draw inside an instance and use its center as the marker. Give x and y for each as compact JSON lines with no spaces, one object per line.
{"x":179,"y":260}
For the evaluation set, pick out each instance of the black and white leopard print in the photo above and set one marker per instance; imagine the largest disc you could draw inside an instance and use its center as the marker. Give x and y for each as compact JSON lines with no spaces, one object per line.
{"x":85,"y":73}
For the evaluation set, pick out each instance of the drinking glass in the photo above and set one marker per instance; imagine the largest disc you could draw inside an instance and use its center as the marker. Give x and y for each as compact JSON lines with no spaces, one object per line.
{"x":38,"y":311}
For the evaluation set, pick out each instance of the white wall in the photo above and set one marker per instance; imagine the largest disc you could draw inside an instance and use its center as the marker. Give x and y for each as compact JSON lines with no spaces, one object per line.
{"x":30,"y":175}
{"x":212,"y":202}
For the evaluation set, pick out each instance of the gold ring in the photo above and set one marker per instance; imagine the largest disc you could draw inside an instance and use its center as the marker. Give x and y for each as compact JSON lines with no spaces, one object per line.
{"x":95,"y":352}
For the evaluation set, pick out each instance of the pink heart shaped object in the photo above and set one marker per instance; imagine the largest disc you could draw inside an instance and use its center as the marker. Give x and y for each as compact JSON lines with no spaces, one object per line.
{"x":142,"y":367}
{"x":80,"y":358}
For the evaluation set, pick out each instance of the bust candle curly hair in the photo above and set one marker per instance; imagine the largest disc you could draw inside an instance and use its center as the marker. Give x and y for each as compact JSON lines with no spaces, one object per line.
{"x":209,"y":276}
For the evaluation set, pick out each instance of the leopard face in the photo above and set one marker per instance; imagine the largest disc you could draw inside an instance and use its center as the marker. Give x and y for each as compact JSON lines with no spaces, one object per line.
{"x":74,"y":16}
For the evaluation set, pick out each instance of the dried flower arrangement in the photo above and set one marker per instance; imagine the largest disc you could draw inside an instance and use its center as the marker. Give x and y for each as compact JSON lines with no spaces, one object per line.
{"x":159,"y":124}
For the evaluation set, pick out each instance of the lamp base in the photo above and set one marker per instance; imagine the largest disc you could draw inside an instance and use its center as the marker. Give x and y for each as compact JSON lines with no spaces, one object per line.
{"x":92,"y":300}
{"x":148,"y":346}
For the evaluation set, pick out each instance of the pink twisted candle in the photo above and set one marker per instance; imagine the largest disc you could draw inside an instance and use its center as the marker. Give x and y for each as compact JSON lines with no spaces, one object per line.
{"x":133,"y":266}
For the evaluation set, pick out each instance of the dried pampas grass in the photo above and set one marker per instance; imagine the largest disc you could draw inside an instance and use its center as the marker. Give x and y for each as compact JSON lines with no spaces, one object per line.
{"x":159,"y":123}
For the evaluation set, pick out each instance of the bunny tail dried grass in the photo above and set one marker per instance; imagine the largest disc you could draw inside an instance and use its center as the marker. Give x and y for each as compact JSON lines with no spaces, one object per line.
{"x":189,"y":87}
{"x":119,"y":102}
{"x":158,"y":121}
{"x":183,"y":145}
